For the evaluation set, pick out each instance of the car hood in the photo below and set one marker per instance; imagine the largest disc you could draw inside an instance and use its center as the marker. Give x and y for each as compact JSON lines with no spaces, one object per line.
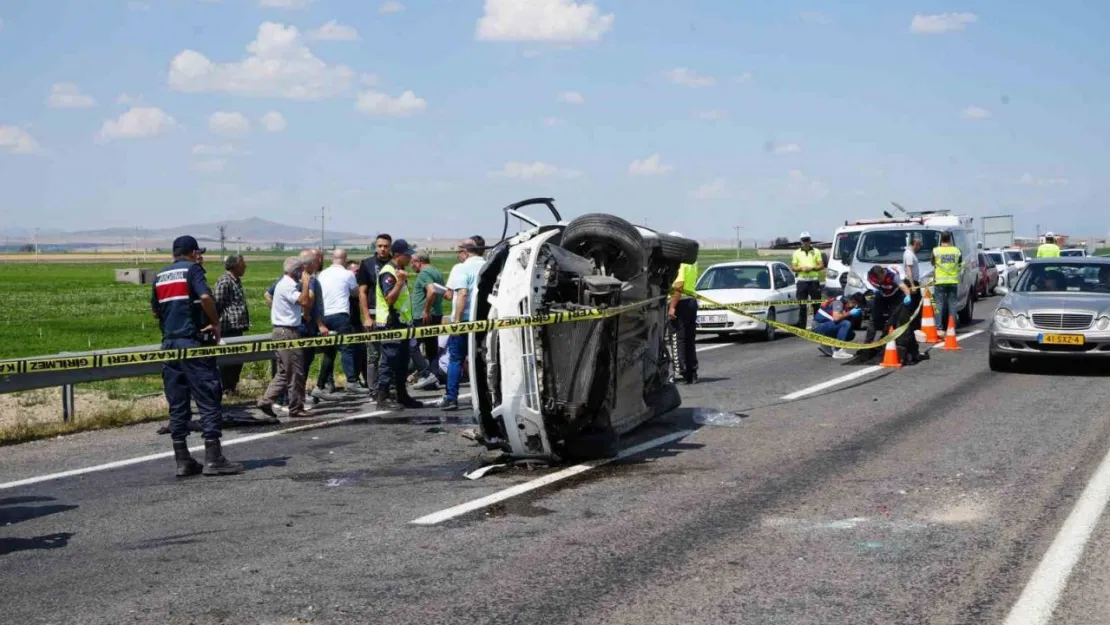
{"x":733,"y":296}
{"x":1094,"y":303}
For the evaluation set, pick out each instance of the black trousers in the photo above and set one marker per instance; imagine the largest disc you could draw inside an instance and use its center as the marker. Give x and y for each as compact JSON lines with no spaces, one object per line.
{"x":229,"y":374}
{"x":684,"y":326}
{"x":394,"y":367}
{"x":185,"y":381}
{"x":808,"y":290}
{"x":891,"y":311}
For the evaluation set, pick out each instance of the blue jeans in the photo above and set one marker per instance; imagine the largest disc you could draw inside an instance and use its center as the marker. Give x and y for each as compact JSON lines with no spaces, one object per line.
{"x":195,"y":379}
{"x":947,"y":299}
{"x":840,"y":330}
{"x":339,"y":323}
{"x":456,"y":354}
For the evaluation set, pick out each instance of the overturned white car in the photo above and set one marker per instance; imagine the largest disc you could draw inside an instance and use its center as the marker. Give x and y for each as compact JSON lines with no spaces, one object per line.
{"x":568,"y":391}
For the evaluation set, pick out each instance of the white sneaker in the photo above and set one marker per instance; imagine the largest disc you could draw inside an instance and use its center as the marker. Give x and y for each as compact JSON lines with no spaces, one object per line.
{"x":843,"y":354}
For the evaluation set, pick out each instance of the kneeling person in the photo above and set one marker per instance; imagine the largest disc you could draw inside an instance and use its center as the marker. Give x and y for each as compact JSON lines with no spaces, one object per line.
{"x":834,"y":320}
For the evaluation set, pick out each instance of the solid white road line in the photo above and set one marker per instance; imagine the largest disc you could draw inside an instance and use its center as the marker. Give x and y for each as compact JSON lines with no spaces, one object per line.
{"x":855,"y":375}
{"x":169,"y":454}
{"x":1042,"y":594}
{"x":712,"y":347}
{"x":519,"y":489}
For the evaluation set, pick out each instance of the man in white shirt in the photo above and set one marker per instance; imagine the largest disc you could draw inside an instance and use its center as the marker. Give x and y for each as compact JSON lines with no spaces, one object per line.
{"x":287,"y":315}
{"x":462,"y":286}
{"x":911,"y":271}
{"x":337,"y":284}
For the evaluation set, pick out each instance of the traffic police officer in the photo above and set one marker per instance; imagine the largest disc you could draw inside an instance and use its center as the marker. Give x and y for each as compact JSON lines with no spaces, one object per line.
{"x":808,"y":265}
{"x":1048,"y":249}
{"x":180,"y":299}
{"x":946,"y":275}
{"x":683,"y":312}
{"x":393,"y":311}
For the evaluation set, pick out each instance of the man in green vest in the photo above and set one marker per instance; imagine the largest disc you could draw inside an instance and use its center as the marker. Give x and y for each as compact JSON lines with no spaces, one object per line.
{"x":393,"y":311}
{"x":1048,"y":249}
{"x":683,"y":313}
{"x":808,"y":265}
{"x":947,"y":263}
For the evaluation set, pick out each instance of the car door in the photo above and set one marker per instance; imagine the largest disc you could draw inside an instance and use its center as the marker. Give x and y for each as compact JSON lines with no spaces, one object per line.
{"x":787,"y":291}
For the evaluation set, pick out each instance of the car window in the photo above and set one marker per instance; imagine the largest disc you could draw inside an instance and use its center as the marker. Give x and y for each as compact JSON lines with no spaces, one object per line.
{"x":1014,"y":256}
{"x":845,"y":245}
{"x":887,"y":246}
{"x":1071,"y":253}
{"x":783,"y":276}
{"x":996,"y":258}
{"x":741,"y":277}
{"x":1064,"y":277}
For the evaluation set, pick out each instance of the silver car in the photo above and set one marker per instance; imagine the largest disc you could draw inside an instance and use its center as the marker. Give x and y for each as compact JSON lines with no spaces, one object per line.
{"x":1058,"y":307}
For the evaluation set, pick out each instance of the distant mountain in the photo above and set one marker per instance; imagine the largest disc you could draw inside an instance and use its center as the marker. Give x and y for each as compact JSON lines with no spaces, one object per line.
{"x":252,"y":230}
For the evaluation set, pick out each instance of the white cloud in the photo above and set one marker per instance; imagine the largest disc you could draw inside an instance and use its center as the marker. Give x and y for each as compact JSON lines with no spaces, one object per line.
{"x":786,"y":148}
{"x":712,"y":116}
{"x":563,"y":21}
{"x":137,"y":123}
{"x":802,"y":187}
{"x":528,"y":171}
{"x":273,"y":122}
{"x":279,"y":66}
{"x":66,"y":95}
{"x":223,"y":123}
{"x":689,"y":78}
{"x":716,"y":190}
{"x":941,"y":22}
{"x":1031,"y":180}
{"x":210,"y":166}
{"x":333,"y":31}
{"x":377,"y":103}
{"x":213,"y":150}
{"x":128,"y":99}
{"x":976,"y":113}
{"x":650,"y":166}
{"x":288,"y":5}
{"x":390,"y":6}
{"x":571,"y":97}
{"x":814,"y":17}
{"x":17,"y":141}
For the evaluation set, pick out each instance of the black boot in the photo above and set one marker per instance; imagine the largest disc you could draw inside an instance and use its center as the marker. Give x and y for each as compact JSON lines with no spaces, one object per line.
{"x":214,"y":461}
{"x":186,"y":466}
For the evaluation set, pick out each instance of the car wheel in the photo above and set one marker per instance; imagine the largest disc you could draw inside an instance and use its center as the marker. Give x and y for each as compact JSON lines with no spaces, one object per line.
{"x":966,"y":315}
{"x":592,"y":444}
{"x":668,"y":399}
{"x":1001,"y":363}
{"x":770,"y":332}
{"x":611,"y":242}
{"x":678,"y":249}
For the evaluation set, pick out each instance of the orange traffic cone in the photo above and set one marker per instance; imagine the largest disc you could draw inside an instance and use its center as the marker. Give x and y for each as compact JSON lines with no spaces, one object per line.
{"x":950,"y":342}
{"x":890,"y":355}
{"x":928,"y":320}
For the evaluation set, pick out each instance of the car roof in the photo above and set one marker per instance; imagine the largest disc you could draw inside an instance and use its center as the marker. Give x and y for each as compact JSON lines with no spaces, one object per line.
{"x":910,"y":226}
{"x":1079,"y":260}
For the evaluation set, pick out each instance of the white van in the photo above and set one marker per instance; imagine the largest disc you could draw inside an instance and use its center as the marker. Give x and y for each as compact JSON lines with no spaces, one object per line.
{"x":840,"y":257}
{"x":883,"y":243}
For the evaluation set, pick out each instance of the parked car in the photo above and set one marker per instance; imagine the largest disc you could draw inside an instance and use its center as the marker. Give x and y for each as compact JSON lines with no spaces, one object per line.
{"x":570,"y":390}
{"x":1059,"y":308}
{"x":768,"y":281}
{"x":1006,"y":269}
{"x":988,"y":275}
{"x":1073,"y":253}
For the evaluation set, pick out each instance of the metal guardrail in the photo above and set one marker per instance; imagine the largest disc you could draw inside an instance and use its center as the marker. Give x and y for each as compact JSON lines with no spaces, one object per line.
{"x":16,"y":382}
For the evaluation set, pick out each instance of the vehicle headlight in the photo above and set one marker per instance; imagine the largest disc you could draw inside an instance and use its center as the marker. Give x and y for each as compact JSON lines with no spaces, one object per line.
{"x":854,"y":281}
{"x":1103,"y":323}
{"x":1003,"y":317}
{"x":831,"y":274}
{"x":1023,"y":322}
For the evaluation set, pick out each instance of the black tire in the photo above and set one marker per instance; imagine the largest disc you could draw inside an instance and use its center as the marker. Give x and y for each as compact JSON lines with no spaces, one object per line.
{"x":678,"y":249}
{"x":1001,"y":364}
{"x":770,"y":332}
{"x":610,"y":241}
{"x":966,"y":315}
{"x":667,"y":400}
{"x":593,"y":444}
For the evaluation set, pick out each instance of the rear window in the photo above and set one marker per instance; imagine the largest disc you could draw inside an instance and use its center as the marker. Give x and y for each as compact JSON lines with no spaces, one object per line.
{"x":996,"y":257}
{"x":1014,"y":256}
{"x":887,"y":246}
{"x":1071,"y":252}
{"x":744,"y":277}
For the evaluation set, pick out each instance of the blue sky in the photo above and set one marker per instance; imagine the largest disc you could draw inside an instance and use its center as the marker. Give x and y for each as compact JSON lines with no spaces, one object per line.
{"x":424,"y":118}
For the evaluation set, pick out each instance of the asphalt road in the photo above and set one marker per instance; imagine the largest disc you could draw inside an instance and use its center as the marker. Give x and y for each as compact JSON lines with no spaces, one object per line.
{"x":928,"y":494}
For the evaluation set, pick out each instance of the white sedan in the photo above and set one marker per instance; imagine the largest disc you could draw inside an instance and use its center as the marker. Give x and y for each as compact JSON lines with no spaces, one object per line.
{"x":747,"y":281}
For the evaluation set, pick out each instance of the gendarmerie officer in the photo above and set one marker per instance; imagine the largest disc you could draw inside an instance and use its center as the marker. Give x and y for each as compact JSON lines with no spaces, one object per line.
{"x":181,"y":301}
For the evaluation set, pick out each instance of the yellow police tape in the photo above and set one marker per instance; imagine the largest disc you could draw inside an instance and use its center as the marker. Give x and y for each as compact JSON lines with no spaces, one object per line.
{"x":799,"y":332}
{"x":95,"y":361}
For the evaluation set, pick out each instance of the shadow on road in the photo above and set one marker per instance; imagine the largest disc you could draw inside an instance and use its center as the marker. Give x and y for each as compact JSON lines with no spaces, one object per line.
{"x":49,"y":541}
{"x":11,"y":513}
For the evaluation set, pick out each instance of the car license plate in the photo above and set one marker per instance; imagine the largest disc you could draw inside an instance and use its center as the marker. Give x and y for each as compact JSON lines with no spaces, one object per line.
{"x":712,"y":319}
{"x":1061,"y":339}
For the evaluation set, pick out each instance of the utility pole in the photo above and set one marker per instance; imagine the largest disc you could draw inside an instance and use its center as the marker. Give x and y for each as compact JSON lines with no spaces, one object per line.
{"x":36,"y":245}
{"x":223,"y":238}
{"x":239,"y":245}
{"x":737,"y":229}
{"x":322,"y":218}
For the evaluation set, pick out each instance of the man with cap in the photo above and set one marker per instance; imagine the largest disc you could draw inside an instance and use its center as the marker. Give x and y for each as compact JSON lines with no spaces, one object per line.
{"x":394,"y":312}
{"x":683,"y":313}
{"x":808,"y":265}
{"x":1048,"y":249}
{"x":185,"y":308}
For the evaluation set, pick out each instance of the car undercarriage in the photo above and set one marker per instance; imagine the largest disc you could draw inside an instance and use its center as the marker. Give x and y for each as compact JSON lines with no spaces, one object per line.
{"x":570,"y":390}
